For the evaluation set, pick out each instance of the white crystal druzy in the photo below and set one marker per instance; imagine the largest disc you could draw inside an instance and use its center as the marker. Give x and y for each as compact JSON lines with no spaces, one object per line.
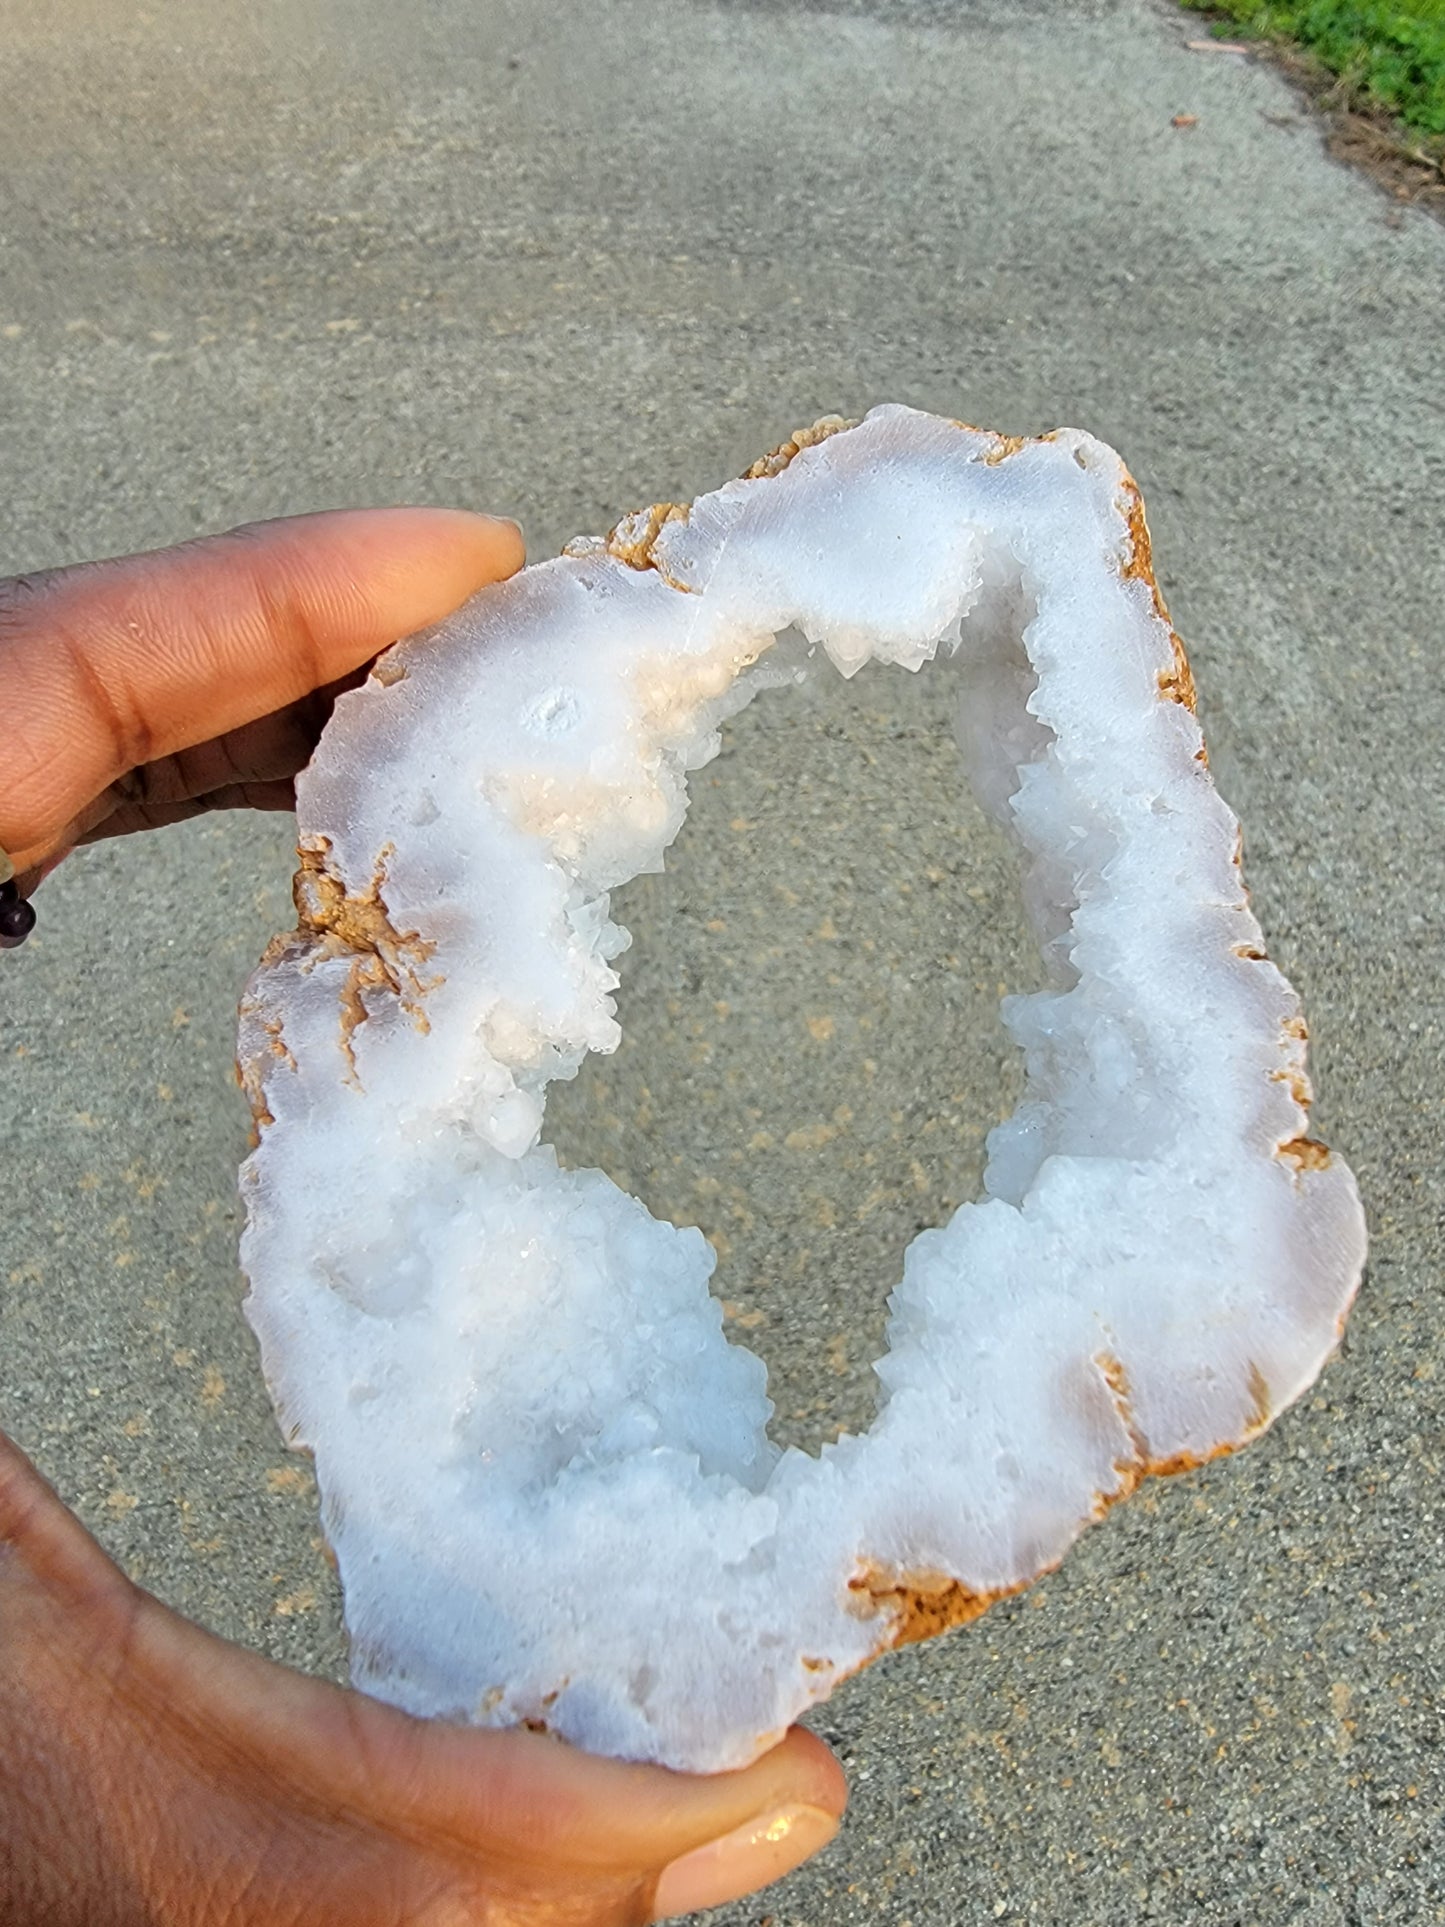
{"x":545,"y":1470}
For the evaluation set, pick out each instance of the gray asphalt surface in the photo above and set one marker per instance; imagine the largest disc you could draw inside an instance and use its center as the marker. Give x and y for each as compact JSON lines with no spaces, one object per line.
{"x":561,"y":261}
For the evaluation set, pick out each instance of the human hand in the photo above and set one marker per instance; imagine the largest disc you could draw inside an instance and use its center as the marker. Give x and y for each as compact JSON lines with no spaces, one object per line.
{"x":152,"y":1775}
{"x":140,"y":691}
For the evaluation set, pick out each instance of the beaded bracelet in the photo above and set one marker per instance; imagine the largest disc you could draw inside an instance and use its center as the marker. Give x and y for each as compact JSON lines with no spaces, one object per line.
{"x":17,"y":917}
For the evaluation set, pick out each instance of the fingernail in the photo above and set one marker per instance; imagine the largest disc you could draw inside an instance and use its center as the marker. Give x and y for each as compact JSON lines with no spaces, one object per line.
{"x":742,"y":1861}
{"x":503,"y":522}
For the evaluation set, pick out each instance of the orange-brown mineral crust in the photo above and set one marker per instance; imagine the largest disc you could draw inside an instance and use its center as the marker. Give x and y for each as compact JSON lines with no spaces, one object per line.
{"x":253,"y":1089}
{"x":634,"y":539}
{"x":1295,"y":1030}
{"x":330,"y":922}
{"x":777,"y":459}
{"x":636,"y":550}
{"x":1175,"y":683}
{"x":1131,"y":1470}
{"x":1003,"y":446}
{"x":1305,"y":1153}
{"x":1145,"y":1463}
{"x":248,"y":1075}
{"x":918,"y":1605}
{"x":340,"y":924}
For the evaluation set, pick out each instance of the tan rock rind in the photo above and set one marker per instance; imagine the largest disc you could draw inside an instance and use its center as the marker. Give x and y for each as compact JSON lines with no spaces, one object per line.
{"x":918,"y":1605}
{"x":339,"y":924}
{"x":1306,"y":1153}
{"x":1147,"y":1464}
{"x":331,"y":922}
{"x":777,"y":459}
{"x":1177,"y":682}
{"x":634,"y":539}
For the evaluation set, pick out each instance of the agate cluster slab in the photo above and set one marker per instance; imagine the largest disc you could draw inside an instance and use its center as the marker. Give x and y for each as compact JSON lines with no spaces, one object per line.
{"x":545,"y":1470}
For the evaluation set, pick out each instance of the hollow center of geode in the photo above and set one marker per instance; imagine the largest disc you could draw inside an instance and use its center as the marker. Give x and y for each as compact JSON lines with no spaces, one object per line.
{"x":811,"y":1051}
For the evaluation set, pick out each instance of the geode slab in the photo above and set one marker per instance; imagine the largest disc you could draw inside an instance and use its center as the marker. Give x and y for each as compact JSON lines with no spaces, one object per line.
{"x":545,"y":1471}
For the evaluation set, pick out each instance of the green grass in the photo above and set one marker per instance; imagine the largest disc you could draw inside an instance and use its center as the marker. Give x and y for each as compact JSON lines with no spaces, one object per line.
{"x":1390,"y":52}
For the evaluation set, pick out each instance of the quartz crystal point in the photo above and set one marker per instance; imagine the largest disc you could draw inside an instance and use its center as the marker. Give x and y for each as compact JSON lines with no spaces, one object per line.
{"x":544,"y":1469}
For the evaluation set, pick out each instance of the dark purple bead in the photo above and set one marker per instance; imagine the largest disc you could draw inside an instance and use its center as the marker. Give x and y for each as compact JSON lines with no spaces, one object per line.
{"x":17,"y":917}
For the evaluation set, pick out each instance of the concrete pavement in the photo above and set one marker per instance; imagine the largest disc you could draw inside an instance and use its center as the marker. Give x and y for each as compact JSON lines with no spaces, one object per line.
{"x":559,"y":262}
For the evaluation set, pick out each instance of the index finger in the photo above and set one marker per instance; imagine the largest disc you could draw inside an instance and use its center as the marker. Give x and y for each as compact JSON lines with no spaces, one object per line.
{"x":114,"y":664}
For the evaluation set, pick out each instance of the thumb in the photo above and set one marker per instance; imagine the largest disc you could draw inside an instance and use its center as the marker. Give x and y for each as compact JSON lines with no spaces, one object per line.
{"x":527,"y":1814}
{"x":114,"y":664}
{"x":245,"y":1756}
{"x":690,"y":1841}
